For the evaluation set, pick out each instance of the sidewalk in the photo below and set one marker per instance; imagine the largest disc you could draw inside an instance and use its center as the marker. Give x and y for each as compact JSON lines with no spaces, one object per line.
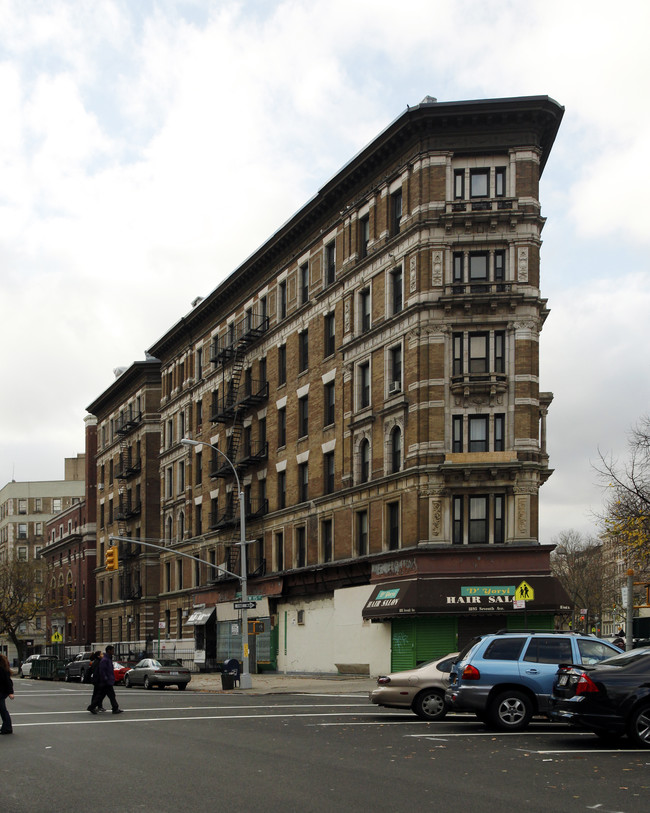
{"x":288,"y":684}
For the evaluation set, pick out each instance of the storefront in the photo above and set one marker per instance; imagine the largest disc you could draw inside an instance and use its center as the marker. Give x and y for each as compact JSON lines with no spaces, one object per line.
{"x":431,"y":616}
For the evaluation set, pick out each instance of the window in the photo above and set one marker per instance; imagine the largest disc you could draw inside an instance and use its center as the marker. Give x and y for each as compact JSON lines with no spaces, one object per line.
{"x":395,"y":449}
{"x":282,"y":489}
{"x":56,"y":502}
{"x":22,"y":530}
{"x":199,"y":414}
{"x":478,"y":520}
{"x":364,"y":461}
{"x":457,"y":433}
{"x":22,"y":553}
{"x":199,"y":363}
{"x":181,"y":476}
{"x":500,"y":182}
{"x":169,"y":482}
{"x":22,"y":506}
{"x":282,"y":299}
{"x":499,"y":519}
{"x":282,"y":364}
{"x":457,"y":354}
{"x":326,"y":540}
{"x":479,"y":183}
{"x":329,"y":335}
{"x":198,"y":468}
{"x":392,"y":521}
{"x":198,"y":520}
{"x":301,"y":546}
{"x":364,"y":384}
{"x":499,"y":266}
{"x":362,"y":533}
{"x":396,"y":290}
{"x":303,"y":351}
{"x":303,"y":482}
{"x":328,"y":472}
{"x":330,"y":263}
{"x":478,"y":267}
{"x":478,"y":353}
{"x":458,"y":267}
{"x":504,"y":649}
{"x":395,"y":212}
{"x":279,"y":551}
{"x":328,"y":399}
{"x":459,"y":184}
{"x":364,"y":236}
{"x":303,"y":416}
{"x":303,"y":272}
{"x":395,"y":372}
{"x":282,"y":427}
{"x":499,"y":433}
{"x":499,"y":352}
{"x":364,"y":310}
{"x":478,"y":433}
{"x":261,"y":432}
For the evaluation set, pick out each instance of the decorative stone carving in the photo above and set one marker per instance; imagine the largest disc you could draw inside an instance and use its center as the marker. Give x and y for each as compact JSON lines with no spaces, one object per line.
{"x":347,"y":312}
{"x":413,"y":276}
{"x":522,"y":516}
{"x":522,"y":264}
{"x":436,"y":518}
{"x":436,"y":268}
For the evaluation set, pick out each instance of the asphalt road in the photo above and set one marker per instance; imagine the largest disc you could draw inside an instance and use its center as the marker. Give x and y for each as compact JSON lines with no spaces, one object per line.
{"x":193,"y":751}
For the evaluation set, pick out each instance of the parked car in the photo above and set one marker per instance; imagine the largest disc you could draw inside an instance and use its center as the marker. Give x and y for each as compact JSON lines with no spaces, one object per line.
{"x":25,"y":669}
{"x":150,"y":672}
{"x":120,"y":670}
{"x":507,"y":677}
{"x":611,"y":698}
{"x":421,"y":689}
{"x":78,"y":667}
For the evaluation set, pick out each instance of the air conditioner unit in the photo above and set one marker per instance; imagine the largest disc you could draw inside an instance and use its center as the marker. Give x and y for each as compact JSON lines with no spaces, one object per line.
{"x":395,"y":386}
{"x":100,"y":486}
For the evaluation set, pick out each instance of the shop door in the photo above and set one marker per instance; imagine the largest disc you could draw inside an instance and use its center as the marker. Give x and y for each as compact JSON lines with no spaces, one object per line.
{"x":417,"y":640}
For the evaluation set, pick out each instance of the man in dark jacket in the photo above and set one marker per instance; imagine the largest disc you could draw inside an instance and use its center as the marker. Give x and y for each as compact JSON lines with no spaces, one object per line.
{"x":105,"y":684}
{"x":93,"y":677}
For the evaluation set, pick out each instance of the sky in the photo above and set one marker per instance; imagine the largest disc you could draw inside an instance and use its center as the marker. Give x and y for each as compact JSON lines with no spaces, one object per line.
{"x":135,"y":134}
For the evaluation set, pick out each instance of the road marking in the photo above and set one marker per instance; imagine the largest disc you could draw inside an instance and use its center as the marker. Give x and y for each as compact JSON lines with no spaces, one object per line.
{"x":590,"y":750}
{"x":97,"y":719}
{"x":188,"y":708}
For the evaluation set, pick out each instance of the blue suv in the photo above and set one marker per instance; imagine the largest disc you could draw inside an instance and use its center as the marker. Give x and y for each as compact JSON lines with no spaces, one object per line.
{"x":507,"y":677}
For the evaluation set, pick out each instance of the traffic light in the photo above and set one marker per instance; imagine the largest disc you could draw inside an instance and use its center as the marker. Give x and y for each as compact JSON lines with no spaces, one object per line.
{"x":112,"y":562}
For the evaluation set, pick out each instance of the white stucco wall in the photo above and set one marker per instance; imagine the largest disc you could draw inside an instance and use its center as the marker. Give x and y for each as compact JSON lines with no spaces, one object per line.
{"x":333,"y":633}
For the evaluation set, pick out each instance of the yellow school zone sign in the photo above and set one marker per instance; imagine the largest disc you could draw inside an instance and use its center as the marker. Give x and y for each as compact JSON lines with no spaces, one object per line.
{"x":524,"y":592}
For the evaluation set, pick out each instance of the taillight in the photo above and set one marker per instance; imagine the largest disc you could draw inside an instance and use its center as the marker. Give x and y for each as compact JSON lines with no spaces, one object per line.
{"x":471,"y":673}
{"x":585,"y":684}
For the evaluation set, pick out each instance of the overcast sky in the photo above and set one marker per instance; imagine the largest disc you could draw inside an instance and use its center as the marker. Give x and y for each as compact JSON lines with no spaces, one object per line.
{"x":147,"y":148}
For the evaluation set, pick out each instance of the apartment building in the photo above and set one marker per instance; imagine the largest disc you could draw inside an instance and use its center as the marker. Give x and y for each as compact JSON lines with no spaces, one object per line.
{"x":25,"y":509}
{"x":69,"y":557}
{"x":369,"y":379}
{"x":128,"y":504}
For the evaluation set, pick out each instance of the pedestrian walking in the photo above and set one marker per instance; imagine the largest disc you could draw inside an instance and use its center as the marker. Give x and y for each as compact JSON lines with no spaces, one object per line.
{"x":6,"y":691}
{"x":93,"y":677}
{"x":106,"y":684}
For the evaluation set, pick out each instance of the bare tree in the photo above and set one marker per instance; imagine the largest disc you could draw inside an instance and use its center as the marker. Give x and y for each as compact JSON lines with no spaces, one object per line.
{"x":21,"y":598}
{"x":626,"y":516}
{"x":586,"y":575}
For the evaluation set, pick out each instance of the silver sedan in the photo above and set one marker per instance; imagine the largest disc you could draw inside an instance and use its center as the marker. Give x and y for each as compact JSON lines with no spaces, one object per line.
{"x":150,"y":672}
{"x":422,"y":689}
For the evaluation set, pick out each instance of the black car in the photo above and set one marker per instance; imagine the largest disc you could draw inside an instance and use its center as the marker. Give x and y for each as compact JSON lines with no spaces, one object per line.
{"x":611,"y":698}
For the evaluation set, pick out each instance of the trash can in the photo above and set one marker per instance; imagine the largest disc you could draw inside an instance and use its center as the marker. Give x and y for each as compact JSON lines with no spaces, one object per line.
{"x":227,"y":680}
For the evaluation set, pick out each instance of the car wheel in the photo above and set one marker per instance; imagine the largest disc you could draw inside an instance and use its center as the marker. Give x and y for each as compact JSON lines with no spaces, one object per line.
{"x":147,"y":683}
{"x":182,"y":687}
{"x":127,"y":682}
{"x":430,"y":705}
{"x":638,"y":726}
{"x":510,"y":711}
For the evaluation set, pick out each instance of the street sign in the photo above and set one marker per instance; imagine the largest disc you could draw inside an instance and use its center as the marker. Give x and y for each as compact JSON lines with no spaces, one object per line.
{"x":245,"y":605}
{"x":518,"y":604}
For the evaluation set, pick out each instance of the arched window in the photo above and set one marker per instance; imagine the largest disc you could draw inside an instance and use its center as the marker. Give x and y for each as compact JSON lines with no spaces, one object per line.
{"x":170,"y":526}
{"x":364,"y":461}
{"x":396,"y":449}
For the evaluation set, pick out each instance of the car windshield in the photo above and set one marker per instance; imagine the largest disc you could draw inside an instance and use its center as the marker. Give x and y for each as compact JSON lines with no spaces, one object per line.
{"x":169,"y":663}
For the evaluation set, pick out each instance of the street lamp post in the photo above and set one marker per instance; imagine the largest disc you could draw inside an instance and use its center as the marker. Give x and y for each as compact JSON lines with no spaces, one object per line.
{"x":245,"y":680}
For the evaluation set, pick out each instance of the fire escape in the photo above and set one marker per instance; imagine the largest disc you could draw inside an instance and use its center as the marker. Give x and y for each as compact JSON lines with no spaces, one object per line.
{"x":129,"y":506}
{"x":238,"y":394}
